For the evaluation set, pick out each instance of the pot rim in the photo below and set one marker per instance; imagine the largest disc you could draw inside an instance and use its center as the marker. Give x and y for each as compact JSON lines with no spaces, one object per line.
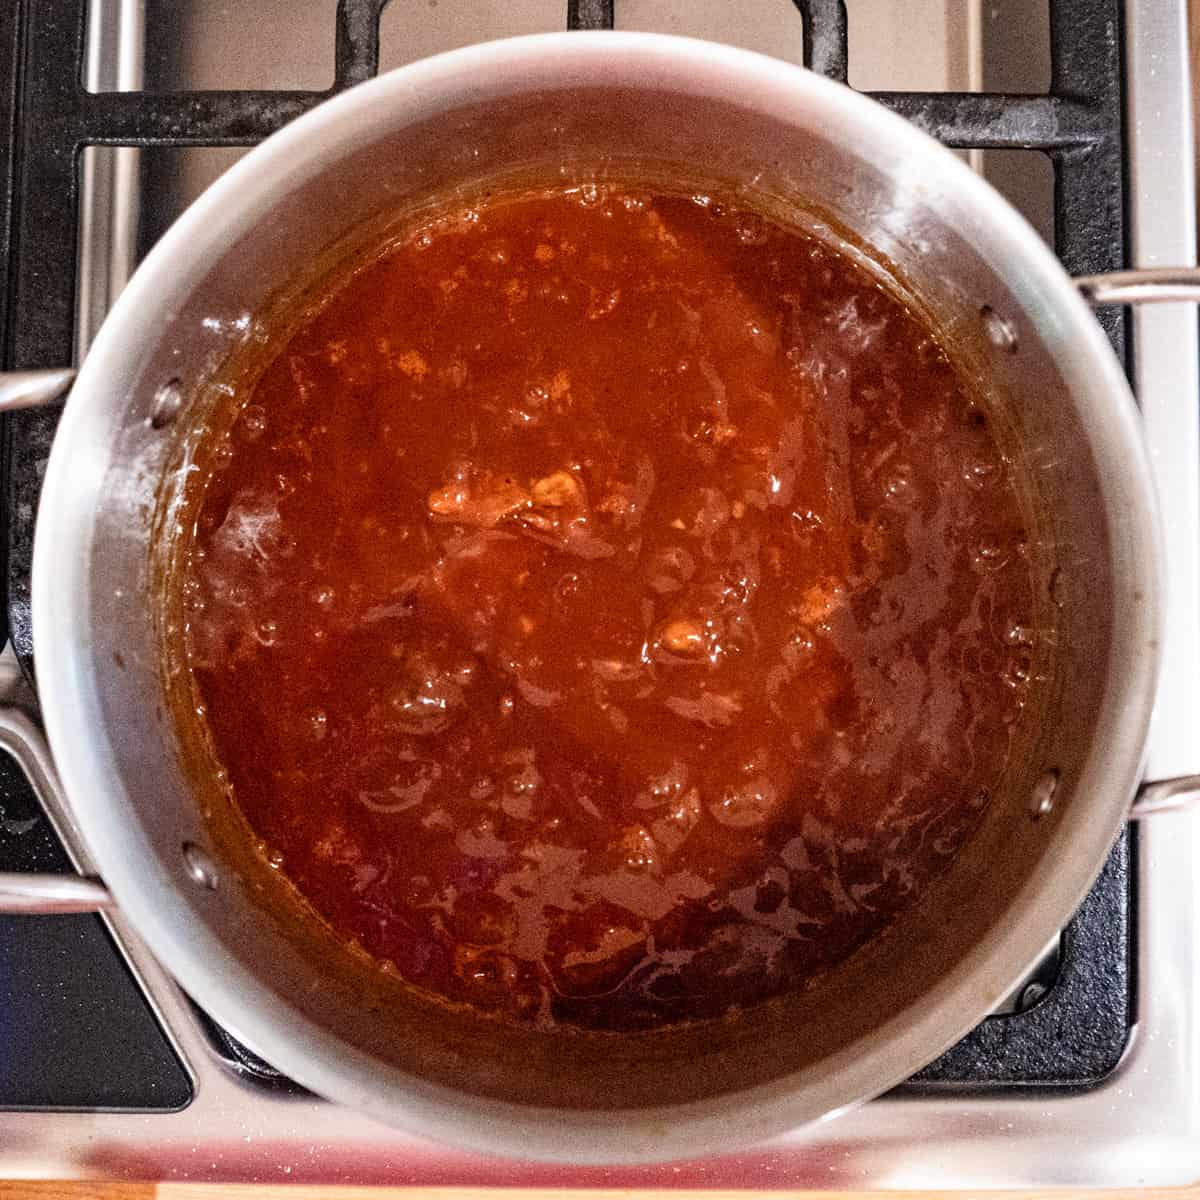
{"x":227,"y":988}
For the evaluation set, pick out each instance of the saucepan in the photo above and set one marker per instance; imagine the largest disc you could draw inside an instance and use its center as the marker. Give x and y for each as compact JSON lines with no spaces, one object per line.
{"x":590,"y":107}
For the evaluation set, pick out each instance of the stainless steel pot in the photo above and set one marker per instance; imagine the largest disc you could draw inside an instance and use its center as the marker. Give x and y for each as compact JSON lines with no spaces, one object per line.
{"x":589,"y":107}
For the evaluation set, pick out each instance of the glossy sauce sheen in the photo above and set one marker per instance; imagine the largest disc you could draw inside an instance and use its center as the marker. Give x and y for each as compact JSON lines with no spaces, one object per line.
{"x":610,"y":608}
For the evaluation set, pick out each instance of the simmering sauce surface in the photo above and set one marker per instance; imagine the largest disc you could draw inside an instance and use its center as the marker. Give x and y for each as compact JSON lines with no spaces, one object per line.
{"x":609,"y":608}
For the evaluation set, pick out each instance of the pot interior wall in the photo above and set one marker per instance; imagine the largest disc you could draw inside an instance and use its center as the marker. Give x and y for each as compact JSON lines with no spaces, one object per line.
{"x":946,"y":253}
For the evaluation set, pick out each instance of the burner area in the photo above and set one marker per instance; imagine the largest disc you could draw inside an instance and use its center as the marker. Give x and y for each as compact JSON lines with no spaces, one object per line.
{"x":78,"y":1032}
{"x":98,"y":151}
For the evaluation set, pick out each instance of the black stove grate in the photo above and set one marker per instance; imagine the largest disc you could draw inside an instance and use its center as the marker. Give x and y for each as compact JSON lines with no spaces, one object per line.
{"x":1074,"y":1025}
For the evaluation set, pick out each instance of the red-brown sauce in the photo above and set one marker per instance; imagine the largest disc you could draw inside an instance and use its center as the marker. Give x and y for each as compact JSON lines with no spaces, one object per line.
{"x":610,"y":607}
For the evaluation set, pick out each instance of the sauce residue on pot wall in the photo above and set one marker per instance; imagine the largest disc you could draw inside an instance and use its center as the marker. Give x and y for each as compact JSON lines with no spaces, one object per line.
{"x":609,"y":607}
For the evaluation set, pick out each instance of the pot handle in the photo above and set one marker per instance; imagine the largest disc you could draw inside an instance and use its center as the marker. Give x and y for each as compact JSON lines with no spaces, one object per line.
{"x":22,"y":738}
{"x":1150,"y":285}
{"x":1165,"y":795}
{"x":44,"y":895}
{"x":29,"y":389}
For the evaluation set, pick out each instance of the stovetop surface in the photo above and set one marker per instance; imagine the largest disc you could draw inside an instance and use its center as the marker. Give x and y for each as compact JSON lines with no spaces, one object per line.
{"x":1076,"y":1014}
{"x":78,"y":1030}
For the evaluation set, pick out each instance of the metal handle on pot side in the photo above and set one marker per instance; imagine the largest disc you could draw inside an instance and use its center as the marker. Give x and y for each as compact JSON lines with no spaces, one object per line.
{"x":21,"y":737}
{"x":1149,"y":285}
{"x":45,"y":894}
{"x":30,"y":389}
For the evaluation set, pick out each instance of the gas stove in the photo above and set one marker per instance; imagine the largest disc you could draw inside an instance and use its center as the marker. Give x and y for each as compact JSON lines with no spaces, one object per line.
{"x":114,"y":114}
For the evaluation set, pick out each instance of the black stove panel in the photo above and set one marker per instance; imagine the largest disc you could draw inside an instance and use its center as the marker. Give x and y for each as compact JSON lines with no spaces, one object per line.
{"x":75,"y":1030}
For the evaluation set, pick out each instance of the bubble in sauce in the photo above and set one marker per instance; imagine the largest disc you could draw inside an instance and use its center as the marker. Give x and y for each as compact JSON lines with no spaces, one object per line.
{"x":522,"y":784}
{"x":638,"y":850}
{"x":591,"y":195}
{"x":318,"y":723}
{"x":1018,"y":634}
{"x":898,"y":483}
{"x":568,"y":588}
{"x":253,"y":421}
{"x":989,"y":554}
{"x":980,"y":473}
{"x":745,"y":804}
{"x":1018,"y":672}
{"x":482,"y":788}
{"x":425,"y":706}
{"x":750,"y":228}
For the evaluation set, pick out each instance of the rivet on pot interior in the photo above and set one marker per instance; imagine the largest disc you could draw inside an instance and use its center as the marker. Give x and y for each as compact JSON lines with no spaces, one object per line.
{"x":1041,"y":798}
{"x":200,"y":866}
{"x":168,"y":401}
{"x":998,"y":330}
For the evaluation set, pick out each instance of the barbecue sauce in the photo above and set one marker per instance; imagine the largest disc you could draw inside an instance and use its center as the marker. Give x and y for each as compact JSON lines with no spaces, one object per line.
{"x":609,"y":607}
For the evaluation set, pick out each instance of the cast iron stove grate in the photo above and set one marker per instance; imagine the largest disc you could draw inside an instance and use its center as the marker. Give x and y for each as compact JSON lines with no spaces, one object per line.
{"x":1071,"y":1024}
